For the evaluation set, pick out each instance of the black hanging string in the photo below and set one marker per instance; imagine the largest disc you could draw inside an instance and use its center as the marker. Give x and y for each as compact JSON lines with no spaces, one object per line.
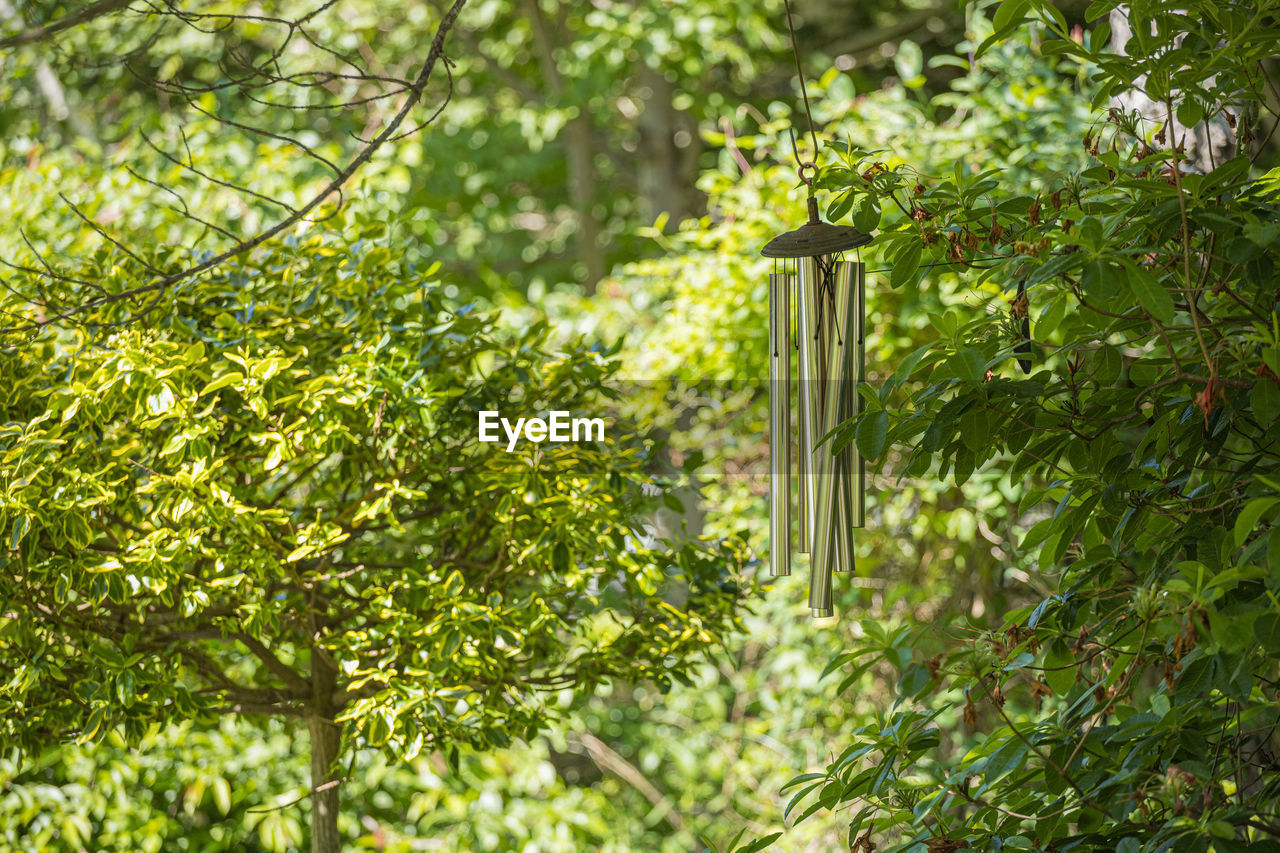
{"x":948,"y":263}
{"x":796,"y":302}
{"x":826,"y":292}
{"x":835,"y":317}
{"x":863,"y":328}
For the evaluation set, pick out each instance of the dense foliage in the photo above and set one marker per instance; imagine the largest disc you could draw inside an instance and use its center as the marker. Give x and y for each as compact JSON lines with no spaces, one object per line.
{"x":272,"y":501}
{"x":1131,"y":702}
{"x":1052,"y":611}
{"x":231,"y":787}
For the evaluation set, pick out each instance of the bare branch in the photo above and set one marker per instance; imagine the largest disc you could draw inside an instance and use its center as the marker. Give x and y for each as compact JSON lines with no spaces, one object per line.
{"x":88,"y":13}
{"x":284,"y":672}
{"x":257,"y":74}
{"x":222,"y":684}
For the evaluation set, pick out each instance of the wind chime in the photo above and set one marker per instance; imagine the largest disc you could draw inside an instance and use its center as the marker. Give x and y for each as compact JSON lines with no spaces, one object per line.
{"x":830,"y":355}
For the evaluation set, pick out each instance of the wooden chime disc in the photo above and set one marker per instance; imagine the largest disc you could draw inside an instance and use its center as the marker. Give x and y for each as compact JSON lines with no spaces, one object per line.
{"x":813,"y":239}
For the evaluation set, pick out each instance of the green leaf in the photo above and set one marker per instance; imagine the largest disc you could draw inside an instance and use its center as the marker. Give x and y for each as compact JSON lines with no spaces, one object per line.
{"x":974,"y":429}
{"x":221,"y":794}
{"x":21,"y":525}
{"x":1098,"y":280}
{"x":800,"y":795}
{"x":1265,"y":400}
{"x":1250,"y":515}
{"x":905,"y":264}
{"x":1227,"y":173}
{"x":1190,"y":112}
{"x":226,"y":379}
{"x":1100,"y":38}
{"x":867,"y":216}
{"x":759,"y":844}
{"x":1009,"y":14}
{"x":840,"y":206}
{"x":1005,"y":760}
{"x":801,"y":779}
{"x":161,"y":402}
{"x":1053,"y":548}
{"x":1266,"y":630}
{"x":969,"y":365}
{"x":93,"y":726}
{"x":1060,"y":668}
{"x":126,"y":688}
{"x":873,"y":434}
{"x":1151,"y":295}
{"x":914,"y":680}
{"x":909,"y":62}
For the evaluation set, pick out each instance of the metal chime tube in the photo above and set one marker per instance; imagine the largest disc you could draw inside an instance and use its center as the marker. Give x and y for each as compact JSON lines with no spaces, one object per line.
{"x":830,"y":364}
{"x":856,"y":462}
{"x":808,"y":374}
{"x":815,"y":353}
{"x":842,"y":379}
{"x":779,"y":424}
{"x":802,"y":458}
{"x":833,"y":542}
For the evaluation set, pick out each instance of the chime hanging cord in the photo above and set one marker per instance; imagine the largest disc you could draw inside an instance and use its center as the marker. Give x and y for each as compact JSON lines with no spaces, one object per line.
{"x":804,"y":94}
{"x":827,"y":292}
{"x":826,"y":284}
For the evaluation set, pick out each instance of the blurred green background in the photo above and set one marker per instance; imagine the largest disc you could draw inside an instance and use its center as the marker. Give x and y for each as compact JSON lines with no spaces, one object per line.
{"x":613,"y":168}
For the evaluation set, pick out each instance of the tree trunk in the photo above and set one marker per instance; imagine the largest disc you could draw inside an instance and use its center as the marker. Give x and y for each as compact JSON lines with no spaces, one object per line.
{"x":580,"y":151}
{"x":581,"y":168}
{"x":667,"y":165}
{"x":1207,"y":145}
{"x":326,"y":739}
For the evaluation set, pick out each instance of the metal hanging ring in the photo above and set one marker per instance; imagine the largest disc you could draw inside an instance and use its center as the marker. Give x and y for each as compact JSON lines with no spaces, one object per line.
{"x":812,"y":167}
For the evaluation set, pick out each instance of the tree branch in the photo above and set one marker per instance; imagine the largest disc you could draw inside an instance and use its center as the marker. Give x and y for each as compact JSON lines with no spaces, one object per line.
{"x":235,"y":692}
{"x":88,"y":13}
{"x":284,"y":672}
{"x":611,"y":762}
{"x":164,"y":282}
